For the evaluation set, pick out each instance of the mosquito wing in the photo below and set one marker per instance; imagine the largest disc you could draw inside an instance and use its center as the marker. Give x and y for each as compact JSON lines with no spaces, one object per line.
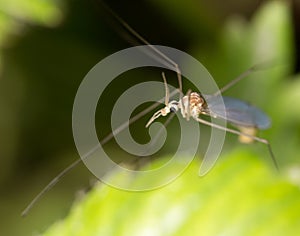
{"x":238,"y":112}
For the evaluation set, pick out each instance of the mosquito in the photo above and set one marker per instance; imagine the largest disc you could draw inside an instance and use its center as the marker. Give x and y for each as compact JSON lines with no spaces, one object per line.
{"x":248,"y":119}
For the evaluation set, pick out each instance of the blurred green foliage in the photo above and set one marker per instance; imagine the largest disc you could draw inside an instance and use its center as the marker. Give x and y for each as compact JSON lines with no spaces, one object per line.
{"x":15,"y":14}
{"x":47,"y":47}
{"x":15,"y":17}
{"x":241,"y":196}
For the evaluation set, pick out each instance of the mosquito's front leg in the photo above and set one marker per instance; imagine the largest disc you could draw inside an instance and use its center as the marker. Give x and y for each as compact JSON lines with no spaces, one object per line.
{"x":167,"y":93}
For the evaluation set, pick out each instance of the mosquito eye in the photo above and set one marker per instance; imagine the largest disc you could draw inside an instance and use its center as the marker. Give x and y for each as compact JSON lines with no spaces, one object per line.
{"x":173,"y":109}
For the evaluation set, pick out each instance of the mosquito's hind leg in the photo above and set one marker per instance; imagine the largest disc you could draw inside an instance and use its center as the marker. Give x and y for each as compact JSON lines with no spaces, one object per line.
{"x":239,"y":133}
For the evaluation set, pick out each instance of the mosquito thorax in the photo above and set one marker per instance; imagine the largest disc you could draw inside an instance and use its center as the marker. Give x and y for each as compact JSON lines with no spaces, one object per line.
{"x":196,"y":103}
{"x":196,"y":99}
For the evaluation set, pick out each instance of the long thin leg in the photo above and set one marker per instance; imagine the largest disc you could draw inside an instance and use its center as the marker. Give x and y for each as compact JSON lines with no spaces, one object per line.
{"x":49,"y":186}
{"x":242,"y":76}
{"x":138,"y":36}
{"x":175,"y":65}
{"x":261,"y":140}
{"x":56,"y":179}
{"x":178,"y":72}
{"x":166,"y":89}
{"x":167,"y":61}
{"x":187,"y":110}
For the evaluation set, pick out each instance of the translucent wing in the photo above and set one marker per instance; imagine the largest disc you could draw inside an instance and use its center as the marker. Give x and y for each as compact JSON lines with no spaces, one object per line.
{"x":238,"y":113}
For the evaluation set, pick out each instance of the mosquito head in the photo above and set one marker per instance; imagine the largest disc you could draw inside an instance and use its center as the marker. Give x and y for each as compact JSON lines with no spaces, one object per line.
{"x":170,"y":107}
{"x":173,"y":106}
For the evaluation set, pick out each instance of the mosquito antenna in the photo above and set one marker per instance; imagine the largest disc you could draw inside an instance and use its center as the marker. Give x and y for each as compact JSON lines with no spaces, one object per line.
{"x":233,"y":131}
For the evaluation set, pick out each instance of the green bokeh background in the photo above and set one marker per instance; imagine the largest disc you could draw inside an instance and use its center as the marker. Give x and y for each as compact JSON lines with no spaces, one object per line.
{"x":47,"y":47}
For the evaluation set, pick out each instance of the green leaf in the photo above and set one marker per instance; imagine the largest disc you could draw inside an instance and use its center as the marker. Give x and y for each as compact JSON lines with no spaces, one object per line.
{"x":240,"y":196}
{"x":14,"y":14}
